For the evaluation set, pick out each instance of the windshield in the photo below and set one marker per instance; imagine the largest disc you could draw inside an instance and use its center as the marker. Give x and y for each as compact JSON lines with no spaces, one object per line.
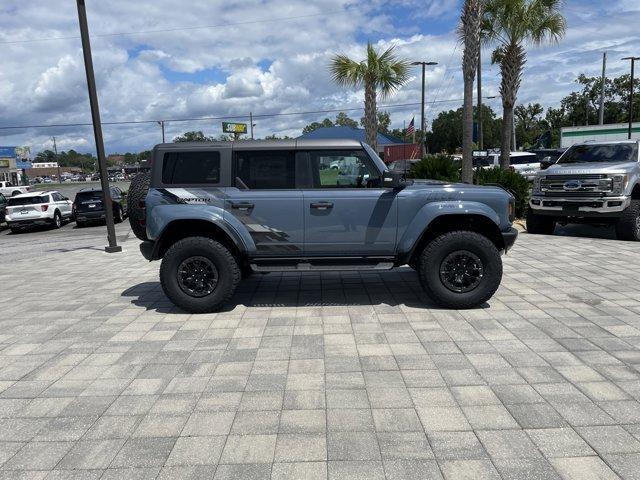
{"x":376,"y":159}
{"x":614,"y":153}
{"x":27,"y":201}
{"x":523,"y":159}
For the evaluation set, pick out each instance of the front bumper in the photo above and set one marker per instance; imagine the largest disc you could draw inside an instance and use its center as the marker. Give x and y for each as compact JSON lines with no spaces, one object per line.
{"x":509,"y":238}
{"x":579,"y":206}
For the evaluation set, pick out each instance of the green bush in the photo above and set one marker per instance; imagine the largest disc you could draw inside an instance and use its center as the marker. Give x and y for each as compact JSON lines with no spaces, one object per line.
{"x":437,"y":167}
{"x":508,"y":179}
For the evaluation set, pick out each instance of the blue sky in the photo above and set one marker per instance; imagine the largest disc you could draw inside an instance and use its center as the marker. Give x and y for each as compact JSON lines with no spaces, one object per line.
{"x":158,"y":60}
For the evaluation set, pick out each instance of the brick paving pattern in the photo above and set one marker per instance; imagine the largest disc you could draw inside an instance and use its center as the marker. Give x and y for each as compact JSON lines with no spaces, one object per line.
{"x":316,"y":376}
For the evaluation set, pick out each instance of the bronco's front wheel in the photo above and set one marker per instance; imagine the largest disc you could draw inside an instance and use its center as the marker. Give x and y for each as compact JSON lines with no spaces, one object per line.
{"x":460,"y":269}
{"x":199,"y":274}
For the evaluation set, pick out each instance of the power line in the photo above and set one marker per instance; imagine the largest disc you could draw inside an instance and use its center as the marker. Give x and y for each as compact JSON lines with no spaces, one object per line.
{"x":226,"y":117}
{"x":175,"y":29}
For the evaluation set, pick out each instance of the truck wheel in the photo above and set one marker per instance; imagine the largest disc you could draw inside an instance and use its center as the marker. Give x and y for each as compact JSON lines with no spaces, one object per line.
{"x":540,"y":224}
{"x":199,"y":274}
{"x":628,"y":226}
{"x":460,"y":269}
{"x":15,"y":192}
{"x":137,"y":193}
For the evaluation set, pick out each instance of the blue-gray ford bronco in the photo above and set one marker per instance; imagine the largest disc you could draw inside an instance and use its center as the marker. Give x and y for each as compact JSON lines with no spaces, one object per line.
{"x":214,"y":212}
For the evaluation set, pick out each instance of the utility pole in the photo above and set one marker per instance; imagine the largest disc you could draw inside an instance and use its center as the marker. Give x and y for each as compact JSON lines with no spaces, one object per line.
{"x":633,"y":62}
{"x":251,"y":123}
{"x":97,"y":128}
{"x":479,"y":115}
{"x":604,"y":78}
{"x":422,"y":119}
{"x":161,"y":123}
{"x":55,"y":150}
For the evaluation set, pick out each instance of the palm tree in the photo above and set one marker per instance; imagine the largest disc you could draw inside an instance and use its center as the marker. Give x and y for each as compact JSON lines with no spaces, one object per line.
{"x":383,"y":72}
{"x":469,"y":32}
{"x":514,"y":24}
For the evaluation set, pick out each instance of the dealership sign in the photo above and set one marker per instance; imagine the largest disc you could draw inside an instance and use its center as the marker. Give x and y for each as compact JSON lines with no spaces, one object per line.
{"x":230,"y":127}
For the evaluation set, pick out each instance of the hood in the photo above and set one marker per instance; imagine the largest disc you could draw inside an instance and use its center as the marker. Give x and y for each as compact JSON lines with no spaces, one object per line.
{"x":420,"y":183}
{"x":590,"y":167}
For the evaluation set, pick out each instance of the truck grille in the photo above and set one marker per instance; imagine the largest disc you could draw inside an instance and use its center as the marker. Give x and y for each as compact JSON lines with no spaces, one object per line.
{"x":576,"y":185}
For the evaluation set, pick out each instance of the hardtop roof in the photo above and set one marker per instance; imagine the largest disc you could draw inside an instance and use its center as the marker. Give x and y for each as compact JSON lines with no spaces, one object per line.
{"x":337,"y":143}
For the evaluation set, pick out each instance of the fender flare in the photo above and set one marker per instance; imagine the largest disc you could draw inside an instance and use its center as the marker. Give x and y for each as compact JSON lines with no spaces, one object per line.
{"x":432,"y":211}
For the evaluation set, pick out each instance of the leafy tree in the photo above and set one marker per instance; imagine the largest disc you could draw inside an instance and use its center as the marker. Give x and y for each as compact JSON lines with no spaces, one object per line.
{"x":343,"y":120}
{"x":446,"y":130}
{"x":529,"y":123}
{"x":45,"y":156}
{"x":316,"y":125}
{"x":383,"y":72}
{"x":512,"y":25}
{"x":193,"y":136}
{"x":469,"y":33}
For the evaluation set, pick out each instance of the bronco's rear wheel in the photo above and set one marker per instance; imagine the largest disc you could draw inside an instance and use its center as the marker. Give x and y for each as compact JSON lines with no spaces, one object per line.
{"x":460,"y":269}
{"x":137,"y":193}
{"x":199,"y":274}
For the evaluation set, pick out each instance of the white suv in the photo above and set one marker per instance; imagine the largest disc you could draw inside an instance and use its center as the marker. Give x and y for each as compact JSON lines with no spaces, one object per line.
{"x":41,"y":208}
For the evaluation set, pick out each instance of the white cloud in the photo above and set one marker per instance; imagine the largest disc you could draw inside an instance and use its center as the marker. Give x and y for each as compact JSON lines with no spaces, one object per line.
{"x":242,"y":63}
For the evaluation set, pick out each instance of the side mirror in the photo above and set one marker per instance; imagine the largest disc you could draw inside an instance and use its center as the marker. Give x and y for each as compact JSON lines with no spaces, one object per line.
{"x":546,"y":163}
{"x":395,"y":180}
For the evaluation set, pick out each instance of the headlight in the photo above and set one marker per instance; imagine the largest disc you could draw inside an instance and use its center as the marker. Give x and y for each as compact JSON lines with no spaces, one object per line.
{"x":536,"y":184}
{"x":619,"y":184}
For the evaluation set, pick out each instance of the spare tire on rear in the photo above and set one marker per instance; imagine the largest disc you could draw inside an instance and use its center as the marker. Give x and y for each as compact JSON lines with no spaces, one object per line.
{"x":137,"y":193}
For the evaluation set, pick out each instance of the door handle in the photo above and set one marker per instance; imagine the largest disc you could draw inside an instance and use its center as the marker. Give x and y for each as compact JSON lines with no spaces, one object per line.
{"x":322,"y":205}
{"x":242,"y":205}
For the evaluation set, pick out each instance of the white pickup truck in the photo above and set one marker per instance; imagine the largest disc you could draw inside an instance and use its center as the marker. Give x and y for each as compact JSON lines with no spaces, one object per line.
{"x":8,"y":189}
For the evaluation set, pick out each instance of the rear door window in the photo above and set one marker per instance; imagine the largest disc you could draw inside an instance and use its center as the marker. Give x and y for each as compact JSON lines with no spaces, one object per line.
{"x":265,"y":169}
{"x":189,"y":168}
{"x":14,"y":202}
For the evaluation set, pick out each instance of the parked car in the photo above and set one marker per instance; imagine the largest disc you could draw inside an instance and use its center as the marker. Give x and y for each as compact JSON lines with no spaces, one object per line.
{"x":525,"y":163}
{"x":88,"y":206}
{"x":8,"y":189}
{"x":596,"y":183}
{"x":403,"y":166}
{"x":216,"y":210}
{"x":40,"y":208}
{"x":3,"y":208}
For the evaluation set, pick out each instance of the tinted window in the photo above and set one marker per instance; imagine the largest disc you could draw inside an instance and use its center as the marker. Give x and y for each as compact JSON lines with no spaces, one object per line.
{"x":91,"y":195}
{"x":28,"y":200}
{"x":482,"y":161}
{"x":191,"y":168}
{"x":522,"y":159}
{"x":624,"y":152}
{"x":265,"y":170}
{"x":342,"y":169}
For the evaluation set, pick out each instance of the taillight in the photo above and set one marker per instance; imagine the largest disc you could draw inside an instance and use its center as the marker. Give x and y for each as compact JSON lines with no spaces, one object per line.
{"x":44,"y":207}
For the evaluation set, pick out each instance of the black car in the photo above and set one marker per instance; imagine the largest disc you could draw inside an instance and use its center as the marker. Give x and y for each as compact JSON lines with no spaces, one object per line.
{"x":87,"y":206}
{"x":3,"y":208}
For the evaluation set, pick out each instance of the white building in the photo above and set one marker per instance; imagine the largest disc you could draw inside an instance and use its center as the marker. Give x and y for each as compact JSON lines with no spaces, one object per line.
{"x":45,"y":165}
{"x":600,"y":133}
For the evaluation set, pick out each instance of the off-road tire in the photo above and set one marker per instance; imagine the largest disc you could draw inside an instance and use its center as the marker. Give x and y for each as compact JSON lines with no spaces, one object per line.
{"x":138,"y":192}
{"x":540,"y":224}
{"x":628,"y":225}
{"x":226,"y":265}
{"x":434,"y":254}
{"x":57,"y":220}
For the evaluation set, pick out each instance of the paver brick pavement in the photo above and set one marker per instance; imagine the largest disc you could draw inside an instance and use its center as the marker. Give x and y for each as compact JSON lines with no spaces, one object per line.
{"x":322,"y":376}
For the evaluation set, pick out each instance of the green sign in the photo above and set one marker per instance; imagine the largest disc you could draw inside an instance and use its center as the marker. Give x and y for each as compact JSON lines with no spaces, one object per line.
{"x":230,"y":127}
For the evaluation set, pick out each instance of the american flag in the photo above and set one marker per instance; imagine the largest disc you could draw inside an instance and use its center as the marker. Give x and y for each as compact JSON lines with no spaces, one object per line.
{"x":411,"y":129}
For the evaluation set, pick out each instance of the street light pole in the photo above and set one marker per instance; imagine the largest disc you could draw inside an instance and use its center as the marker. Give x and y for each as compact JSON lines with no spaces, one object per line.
{"x":633,"y":62}
{"x":422,"y":119}
{"x":479,"y":115}
{"x":97,"y":128}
